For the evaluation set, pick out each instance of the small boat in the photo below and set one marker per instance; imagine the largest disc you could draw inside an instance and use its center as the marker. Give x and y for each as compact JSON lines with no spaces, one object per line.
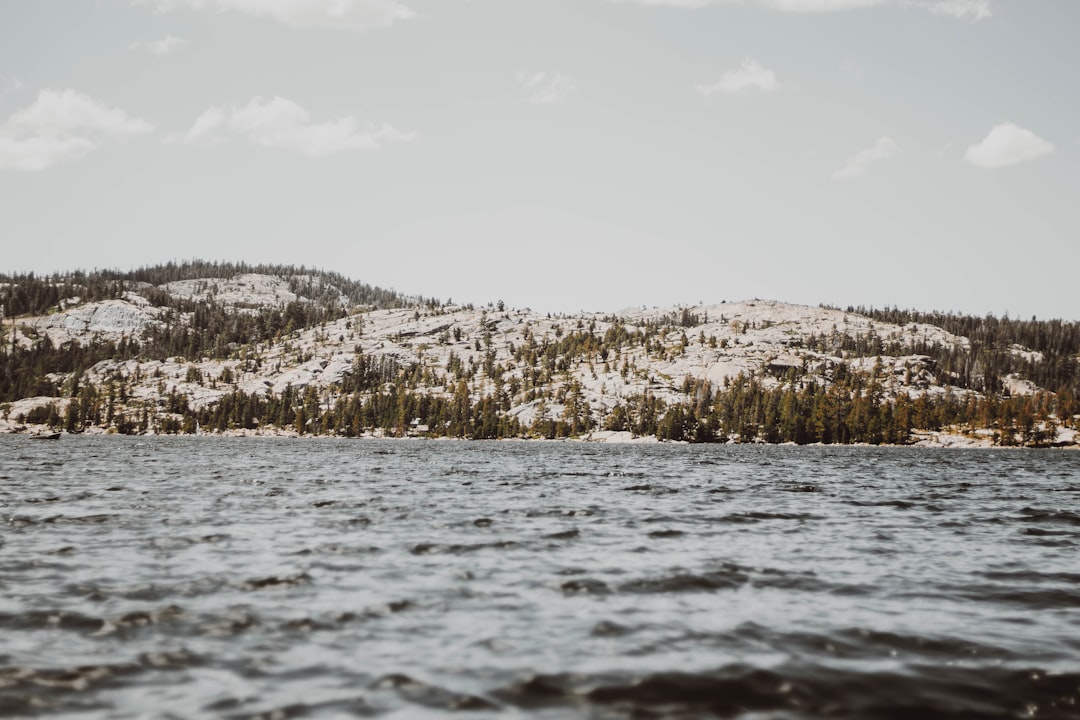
{"x":46,"y":436}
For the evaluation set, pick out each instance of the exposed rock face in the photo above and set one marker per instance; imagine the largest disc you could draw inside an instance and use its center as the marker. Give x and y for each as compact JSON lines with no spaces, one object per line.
{"x":775,"y":342}
{"x":720,"y":342}
{"x":1015,"y":385}
{"x":247,"y":291}
{"x":108,"y":319}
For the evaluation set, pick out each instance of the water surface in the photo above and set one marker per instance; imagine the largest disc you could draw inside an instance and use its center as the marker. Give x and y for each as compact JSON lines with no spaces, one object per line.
{"x":216,"y":577}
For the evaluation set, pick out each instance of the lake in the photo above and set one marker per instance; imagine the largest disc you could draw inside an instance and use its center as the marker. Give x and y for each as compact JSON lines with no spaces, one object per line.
{"x":304,"y":578}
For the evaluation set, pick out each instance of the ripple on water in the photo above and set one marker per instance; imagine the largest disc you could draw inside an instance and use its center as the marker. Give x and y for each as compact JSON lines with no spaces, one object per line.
{"x":280,"y":578}
{"x":807,"y":691}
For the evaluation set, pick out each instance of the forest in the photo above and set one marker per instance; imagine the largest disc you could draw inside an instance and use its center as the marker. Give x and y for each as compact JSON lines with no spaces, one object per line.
{"x":214,"y":330}
{"x":382,"y":397}
{"x":841,"y":405}
{"x":989,"y":358}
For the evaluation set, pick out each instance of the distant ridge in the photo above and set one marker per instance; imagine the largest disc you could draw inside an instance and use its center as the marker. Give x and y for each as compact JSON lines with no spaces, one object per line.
{"x":239,"y":348}
{"x":35,"y":293}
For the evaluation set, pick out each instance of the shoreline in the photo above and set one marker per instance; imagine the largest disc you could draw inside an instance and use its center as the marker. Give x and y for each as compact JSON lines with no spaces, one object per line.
{"x":921,"y":439}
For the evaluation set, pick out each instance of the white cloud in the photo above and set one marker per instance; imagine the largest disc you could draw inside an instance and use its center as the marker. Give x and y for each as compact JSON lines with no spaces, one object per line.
{"x":819,"y":5}
{"x":1007,"y":144}
{"x":281,"y":123}
{"x":782,"y":5}
{"x":675,"y":3}
{"x":962,"y":9}
{"x":59,"y":111}
{"x":544,"y":88}
{"x":37,"y":152}
{"x":61,"y":125}
{"x":348,"y":14}
{"x":883,"y":149}
{"x":205,"y":125}
{"x":165,"y":46}
{"x":749,"y":75}
{"x":974,"y":9}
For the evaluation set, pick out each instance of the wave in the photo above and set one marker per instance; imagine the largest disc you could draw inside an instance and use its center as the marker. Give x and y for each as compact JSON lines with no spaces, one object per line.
{"x":1052,"y":517}
{"x":808,"y":691}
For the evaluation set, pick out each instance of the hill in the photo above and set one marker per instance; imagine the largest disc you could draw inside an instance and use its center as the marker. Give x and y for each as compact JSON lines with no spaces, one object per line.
{"x":271,"y":349}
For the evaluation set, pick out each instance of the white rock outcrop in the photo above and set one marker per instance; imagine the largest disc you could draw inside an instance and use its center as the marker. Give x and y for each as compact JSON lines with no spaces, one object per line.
{"x":108,"y":319}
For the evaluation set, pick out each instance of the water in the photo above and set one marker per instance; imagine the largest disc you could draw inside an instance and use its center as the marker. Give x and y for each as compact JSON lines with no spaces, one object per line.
{"x":278,"y":578}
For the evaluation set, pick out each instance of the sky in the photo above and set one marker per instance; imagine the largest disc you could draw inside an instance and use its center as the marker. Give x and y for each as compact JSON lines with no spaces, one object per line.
{"x":561,"y":155}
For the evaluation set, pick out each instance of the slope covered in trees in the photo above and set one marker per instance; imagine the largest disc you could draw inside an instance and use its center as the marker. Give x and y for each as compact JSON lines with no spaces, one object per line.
{"x":1053,"y":363}
{"x":238,"y":348}
{"x":29,"y":294}
{"x":188,"y":326}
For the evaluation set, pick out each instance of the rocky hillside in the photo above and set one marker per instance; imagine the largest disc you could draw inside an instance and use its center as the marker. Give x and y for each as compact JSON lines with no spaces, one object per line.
{"x":281,"y":350}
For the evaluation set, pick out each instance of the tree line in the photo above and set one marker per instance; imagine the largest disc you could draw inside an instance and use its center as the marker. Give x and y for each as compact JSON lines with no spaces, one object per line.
{"x":799,"y":405}
{"x":381,"y":396}
{"x":195,"y":328}
{"x":991,"y":354}
{"x":31,"y":294}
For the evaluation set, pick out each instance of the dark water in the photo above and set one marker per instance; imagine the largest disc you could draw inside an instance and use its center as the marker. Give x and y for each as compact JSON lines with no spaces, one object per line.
{"x":195,"y":577}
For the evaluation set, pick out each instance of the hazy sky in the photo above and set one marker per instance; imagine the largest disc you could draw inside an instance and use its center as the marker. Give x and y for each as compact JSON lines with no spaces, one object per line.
{"x":558,"y":154}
